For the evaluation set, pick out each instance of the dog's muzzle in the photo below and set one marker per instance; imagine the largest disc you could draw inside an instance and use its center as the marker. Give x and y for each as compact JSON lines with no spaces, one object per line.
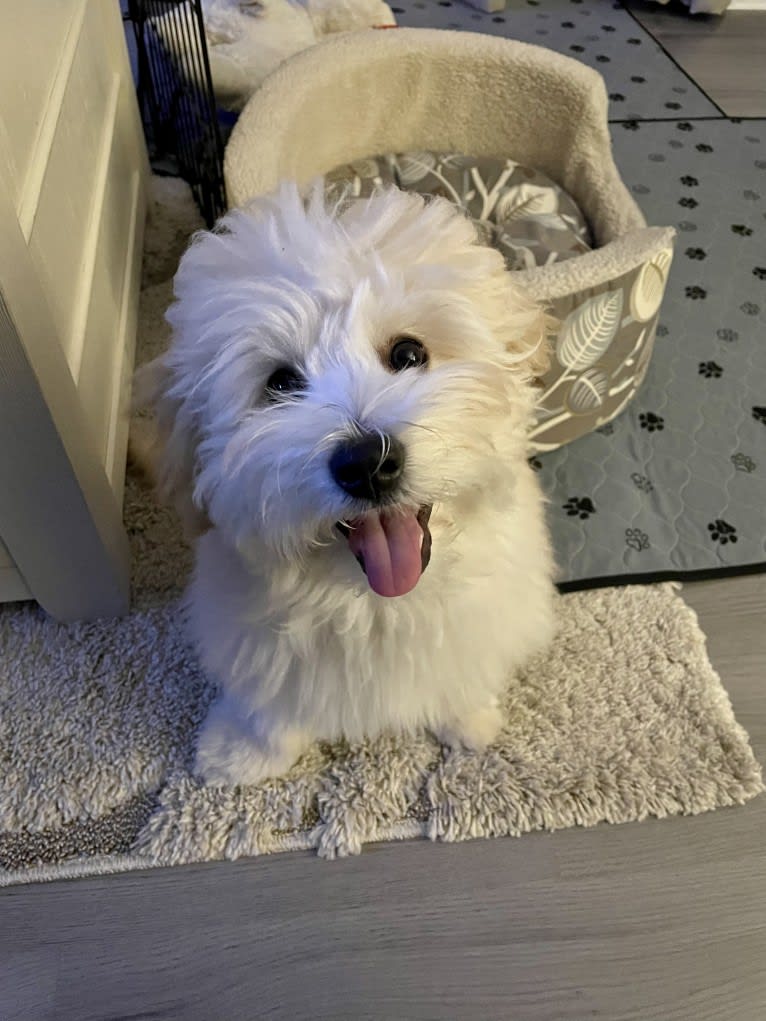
{"x":392,"y":542}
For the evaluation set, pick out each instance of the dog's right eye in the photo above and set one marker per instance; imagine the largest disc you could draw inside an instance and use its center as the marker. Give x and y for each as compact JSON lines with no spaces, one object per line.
{"x":407,"y":353}
{"x":284,"y":382}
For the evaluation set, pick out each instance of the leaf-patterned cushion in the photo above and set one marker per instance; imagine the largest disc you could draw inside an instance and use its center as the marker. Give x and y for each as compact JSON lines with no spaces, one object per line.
{"x":517,"y":209}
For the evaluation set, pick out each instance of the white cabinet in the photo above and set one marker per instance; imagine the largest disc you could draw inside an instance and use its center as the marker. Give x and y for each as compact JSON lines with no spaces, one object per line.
{"x":73,"y":173}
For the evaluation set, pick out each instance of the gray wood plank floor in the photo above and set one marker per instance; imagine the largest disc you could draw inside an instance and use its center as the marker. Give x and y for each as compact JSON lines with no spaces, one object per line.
{"x":725,"y":56}
{"x":657,"y":921}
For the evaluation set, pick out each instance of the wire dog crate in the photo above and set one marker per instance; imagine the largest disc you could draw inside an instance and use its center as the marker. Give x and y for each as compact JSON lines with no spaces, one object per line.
{"x":175,"y":95}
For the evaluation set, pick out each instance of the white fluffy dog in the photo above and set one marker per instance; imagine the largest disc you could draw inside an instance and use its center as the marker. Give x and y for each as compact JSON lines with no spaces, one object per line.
{"x":342,"y":416}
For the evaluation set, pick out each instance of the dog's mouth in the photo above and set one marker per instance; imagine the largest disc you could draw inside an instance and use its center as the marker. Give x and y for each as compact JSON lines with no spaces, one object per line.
{"x":392,"y":546}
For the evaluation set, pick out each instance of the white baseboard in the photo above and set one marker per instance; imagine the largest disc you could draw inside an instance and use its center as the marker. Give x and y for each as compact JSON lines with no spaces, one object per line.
{"x":747,"y":5}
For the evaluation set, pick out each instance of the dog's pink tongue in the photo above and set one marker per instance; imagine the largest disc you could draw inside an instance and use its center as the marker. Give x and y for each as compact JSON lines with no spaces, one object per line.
{"x":390,"y":546}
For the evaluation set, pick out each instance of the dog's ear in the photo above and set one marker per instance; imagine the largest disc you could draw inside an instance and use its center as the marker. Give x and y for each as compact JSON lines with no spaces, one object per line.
{"x":530,"y":332}
{"x":165,"y":448}
{"x":539,"y":342}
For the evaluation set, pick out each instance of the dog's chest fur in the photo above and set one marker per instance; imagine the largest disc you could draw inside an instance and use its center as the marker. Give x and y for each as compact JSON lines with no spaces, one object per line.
{"x":315,"y":642}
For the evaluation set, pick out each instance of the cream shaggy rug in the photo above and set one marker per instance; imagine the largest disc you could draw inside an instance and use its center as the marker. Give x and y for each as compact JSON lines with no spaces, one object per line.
{"x":625,"y":718}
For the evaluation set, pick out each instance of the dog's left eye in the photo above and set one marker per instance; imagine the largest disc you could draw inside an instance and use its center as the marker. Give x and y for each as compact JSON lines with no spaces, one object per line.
{"x":407,"y":353}
{"x":283,"y":382}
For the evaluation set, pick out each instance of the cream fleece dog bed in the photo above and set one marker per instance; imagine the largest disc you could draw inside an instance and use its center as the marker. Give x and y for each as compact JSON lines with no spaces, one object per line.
{"x":408,"y":90}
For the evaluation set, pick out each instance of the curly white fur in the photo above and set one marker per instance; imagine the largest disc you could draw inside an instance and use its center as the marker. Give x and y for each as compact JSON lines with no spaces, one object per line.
{"x":283,"y":617}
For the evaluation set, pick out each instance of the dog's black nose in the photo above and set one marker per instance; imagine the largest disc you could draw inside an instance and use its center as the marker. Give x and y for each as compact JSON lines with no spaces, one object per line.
{"x":368,"y":468}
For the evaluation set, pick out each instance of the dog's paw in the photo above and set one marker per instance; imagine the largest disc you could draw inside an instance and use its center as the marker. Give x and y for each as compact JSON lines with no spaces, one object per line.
{"x":474,"y":731}
{"x":230,"y":753}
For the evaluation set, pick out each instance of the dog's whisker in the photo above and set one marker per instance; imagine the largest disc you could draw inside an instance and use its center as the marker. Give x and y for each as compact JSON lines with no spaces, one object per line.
{"x":321,"y":447}
{"x":424,"y":428}
{"x":385,"y":447}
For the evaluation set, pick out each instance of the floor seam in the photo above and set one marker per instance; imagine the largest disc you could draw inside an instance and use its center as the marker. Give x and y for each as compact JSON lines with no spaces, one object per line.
{"x":673,"y":61}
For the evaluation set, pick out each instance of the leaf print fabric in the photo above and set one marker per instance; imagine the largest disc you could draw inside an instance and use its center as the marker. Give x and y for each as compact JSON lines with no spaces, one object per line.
{"x":589,"y":330}
{"x":518,"y":210}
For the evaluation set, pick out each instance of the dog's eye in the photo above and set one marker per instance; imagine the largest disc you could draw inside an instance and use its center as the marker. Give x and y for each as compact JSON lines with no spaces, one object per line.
{"x":283,"y":382}
{"x":407,"y":353}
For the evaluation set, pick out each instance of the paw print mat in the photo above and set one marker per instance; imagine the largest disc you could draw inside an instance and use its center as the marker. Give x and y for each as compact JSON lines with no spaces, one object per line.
{"x":641,"y":80}
{"x":676,"y":486}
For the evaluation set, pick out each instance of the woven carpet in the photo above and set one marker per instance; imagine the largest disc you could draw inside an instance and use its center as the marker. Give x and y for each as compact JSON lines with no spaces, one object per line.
{"x":623,"y":719}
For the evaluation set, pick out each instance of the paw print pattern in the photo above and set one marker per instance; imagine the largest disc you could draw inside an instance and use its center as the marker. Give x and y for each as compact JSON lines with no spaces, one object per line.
{"x":685,"y":126}
{"x":727,"y":335}
{"x":636,"y":539}
{"x":689,"y":182}
{"x":760,"y":272}
{"x":688,"y":203}
{"x":695,"y":253}
{"x":662,"y":330}
{"x":722,"y":532}
{"x":642,"y":482}
{"x":710,"y":370}
{"x":617,"y":97}
{"x":750,"y":308}
{"x":743,"y":463}
{"x":742,"y":230}
{"x":703,"y":147}
{"x":651,"y":422}
{"x":695,"y":293}
{"x":630,"y":125}
{"x":607,"y":429}
{"x":579,"y":506}
{"x":759,"y":414}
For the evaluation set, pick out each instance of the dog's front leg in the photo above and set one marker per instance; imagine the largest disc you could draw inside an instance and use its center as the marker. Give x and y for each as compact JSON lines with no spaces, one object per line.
{"x":234,"y":747}
{"x":474,"y":730}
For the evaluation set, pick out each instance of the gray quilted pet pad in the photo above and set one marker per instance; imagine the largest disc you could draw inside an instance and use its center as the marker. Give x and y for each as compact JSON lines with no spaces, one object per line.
{"x":676,"y":485}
